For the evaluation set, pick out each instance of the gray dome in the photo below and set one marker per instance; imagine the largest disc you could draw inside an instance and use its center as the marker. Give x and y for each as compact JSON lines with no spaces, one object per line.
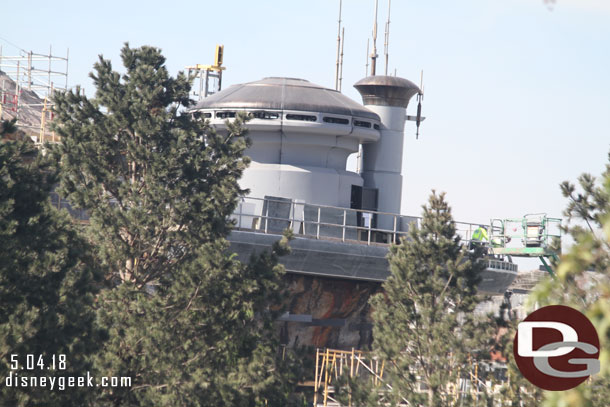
{"x":285,"y":94}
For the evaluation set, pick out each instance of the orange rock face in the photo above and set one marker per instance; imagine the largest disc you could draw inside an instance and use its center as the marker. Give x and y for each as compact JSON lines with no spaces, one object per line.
{"x":339,"y":310}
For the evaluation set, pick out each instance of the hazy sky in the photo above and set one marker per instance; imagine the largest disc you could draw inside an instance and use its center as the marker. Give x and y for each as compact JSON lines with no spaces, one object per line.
{"x":517,"y":95}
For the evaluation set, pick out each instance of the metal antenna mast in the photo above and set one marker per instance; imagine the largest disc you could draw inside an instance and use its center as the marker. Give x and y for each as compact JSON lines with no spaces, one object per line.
{"x":341,"y":64}
{"x":337,"y":86}
{"x":374,"y":53}
{"x":386,"y":44}
{"x":366,"y":66}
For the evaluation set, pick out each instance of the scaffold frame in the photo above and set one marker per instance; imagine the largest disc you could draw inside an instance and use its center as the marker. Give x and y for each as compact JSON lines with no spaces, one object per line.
{"x":39,"y":73}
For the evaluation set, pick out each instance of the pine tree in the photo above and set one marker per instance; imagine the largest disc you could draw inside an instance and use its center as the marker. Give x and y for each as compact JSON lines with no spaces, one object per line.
{"x":588,"y":223}
{"x":423,"y":323}
{"x":157,"y":184}
{"x":47,"y":284}
{"x":516,"y":391}
{"x":187,"y":322}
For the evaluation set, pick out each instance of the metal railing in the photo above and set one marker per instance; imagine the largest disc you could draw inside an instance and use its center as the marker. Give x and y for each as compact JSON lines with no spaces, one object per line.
{"x":531,"y":230}
{"x":273,"y":215}
{"x":79,"y":215}
{"x":502,"y":265}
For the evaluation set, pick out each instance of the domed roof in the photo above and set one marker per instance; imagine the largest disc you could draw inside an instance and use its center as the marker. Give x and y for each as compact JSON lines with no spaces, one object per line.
{"x":285,"y":94}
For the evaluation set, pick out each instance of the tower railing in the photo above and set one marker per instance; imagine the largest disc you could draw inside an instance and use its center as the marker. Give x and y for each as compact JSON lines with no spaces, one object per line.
{"x":272,"y":215}
{"x":321,"y":222}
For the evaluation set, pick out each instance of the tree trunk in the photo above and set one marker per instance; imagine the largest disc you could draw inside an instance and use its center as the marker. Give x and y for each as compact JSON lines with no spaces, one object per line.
{"x":127,"y":274}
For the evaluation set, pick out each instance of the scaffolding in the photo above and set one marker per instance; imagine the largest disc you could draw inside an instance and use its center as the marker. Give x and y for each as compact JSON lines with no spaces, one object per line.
{"x":209,"y":76}
{"x":474,"y":379}
{"x":332,"y":364}
{"x":27,"y":88}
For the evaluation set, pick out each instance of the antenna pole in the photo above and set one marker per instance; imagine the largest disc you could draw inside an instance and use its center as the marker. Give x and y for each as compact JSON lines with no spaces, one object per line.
{"x":386,"y":45}
{"x":341,"y":64}
{"x":338,"y":47}
{"x":374,"y":53}
{"x":366,"y":67}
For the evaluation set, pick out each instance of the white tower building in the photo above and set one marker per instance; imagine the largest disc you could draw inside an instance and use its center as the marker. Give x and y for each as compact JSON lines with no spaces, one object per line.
{"x":301,"y":134}
{"x":343,"y":221}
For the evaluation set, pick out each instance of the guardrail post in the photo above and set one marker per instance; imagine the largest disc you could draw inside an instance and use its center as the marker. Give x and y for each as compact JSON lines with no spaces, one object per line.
{"x":241,"y":205}
{"x":266,"y":216}
{"x":369,"y":237}
{"x":318,"y":232}
{"x":292,"y":218}
{"x":394,"y":234}
{"x":344,"y":223}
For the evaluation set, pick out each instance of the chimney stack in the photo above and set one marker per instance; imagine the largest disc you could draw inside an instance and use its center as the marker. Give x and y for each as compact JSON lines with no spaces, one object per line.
{"x":388,"y":96}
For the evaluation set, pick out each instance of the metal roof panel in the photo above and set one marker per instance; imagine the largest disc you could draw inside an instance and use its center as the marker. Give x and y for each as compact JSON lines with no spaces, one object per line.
{"x":285,"y":94}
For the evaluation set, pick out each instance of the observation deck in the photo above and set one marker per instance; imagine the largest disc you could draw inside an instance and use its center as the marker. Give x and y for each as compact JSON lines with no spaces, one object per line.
{"x":340,"y":242}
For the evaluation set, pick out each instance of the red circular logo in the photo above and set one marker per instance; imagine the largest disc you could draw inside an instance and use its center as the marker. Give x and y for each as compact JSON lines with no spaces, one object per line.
{"x":556,"y":348}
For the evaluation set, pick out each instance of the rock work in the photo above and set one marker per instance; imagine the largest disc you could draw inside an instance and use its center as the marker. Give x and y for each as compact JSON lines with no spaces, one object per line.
{"x":339,"y":310}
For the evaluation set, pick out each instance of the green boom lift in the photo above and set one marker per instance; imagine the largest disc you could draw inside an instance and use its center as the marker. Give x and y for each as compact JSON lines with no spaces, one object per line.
{"x":530,"y":236}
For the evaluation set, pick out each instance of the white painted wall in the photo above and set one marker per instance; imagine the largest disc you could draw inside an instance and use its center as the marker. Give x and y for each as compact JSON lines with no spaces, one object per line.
{"x":314,"y":185}
{"x":302,"y":160}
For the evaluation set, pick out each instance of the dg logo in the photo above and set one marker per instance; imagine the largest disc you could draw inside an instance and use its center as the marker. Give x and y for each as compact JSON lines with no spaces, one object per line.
{"x":556,"y":348}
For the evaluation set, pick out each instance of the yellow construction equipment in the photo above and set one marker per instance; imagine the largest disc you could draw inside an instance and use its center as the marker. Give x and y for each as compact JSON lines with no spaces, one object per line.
{"x":205,"y":72}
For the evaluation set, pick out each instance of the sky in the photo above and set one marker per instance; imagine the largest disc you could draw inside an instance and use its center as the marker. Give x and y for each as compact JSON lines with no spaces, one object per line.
{"x":517,"y":92}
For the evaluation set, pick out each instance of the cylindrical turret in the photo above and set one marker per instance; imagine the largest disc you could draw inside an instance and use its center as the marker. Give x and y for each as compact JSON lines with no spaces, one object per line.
{"x":388,"y":96}
{"x":302,"y":135}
